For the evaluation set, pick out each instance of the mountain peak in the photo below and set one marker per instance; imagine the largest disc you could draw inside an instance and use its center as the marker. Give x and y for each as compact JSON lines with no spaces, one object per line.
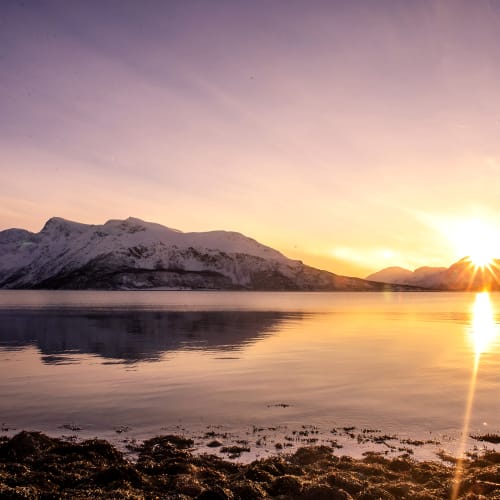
{"x":61,"y":224}
{"x":55,"y":221}
{"x":393,"y":274}
{"x":140,"y":224}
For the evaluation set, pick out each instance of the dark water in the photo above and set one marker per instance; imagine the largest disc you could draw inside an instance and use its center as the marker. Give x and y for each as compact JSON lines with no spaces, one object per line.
{"x":151,"y":361}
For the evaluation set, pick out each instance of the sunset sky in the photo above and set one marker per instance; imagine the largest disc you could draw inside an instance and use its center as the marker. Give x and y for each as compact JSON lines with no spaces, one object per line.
{"x":353,"y":135}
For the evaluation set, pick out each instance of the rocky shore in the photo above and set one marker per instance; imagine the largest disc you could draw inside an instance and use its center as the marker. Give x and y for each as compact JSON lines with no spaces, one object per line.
{"x":33,"y":465}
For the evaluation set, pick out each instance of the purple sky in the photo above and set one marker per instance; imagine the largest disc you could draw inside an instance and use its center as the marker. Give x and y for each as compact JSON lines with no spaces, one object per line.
{"x":349,"y":134}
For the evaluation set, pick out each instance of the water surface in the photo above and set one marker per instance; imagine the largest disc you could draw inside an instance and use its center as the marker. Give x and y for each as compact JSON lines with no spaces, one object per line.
{"x":154,"y":361}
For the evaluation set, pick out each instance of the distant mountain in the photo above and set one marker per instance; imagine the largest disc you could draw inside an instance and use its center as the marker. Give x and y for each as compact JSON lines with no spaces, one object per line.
{"x":133,"y":254}
{"x":461,"y":275}
{"x":393,"y":274}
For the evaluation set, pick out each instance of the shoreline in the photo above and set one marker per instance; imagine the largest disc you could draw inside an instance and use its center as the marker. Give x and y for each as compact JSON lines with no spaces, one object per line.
{"x":258,"y":441}
{"x":34,"y":465}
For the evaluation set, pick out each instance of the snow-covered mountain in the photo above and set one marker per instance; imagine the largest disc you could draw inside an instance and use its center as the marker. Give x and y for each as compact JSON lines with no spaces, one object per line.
{"x":461,"y":275}
{"x":133,"y":254}
{"x":425,"y":277}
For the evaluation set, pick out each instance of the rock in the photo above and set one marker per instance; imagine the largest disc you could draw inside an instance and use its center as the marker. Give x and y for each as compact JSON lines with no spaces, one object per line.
{"x":324,"y":492}
{"x":286,"y":485}
{"x":312,"y":454}
{"x":248,"y":490}
{"x":215,"y":493}
{"x":26,"y":446}
{"x":214,"y":444}
{"x":345,"y":481}
{"x":118,"y":475}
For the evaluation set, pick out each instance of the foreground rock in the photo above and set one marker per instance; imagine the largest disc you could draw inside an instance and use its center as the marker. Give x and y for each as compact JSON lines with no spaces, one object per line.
{"x":33,"y":465}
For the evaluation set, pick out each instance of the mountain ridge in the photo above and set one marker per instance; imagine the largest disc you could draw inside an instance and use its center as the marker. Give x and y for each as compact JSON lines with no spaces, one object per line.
{"x":134,"y":254}
{"x":460,"y":276}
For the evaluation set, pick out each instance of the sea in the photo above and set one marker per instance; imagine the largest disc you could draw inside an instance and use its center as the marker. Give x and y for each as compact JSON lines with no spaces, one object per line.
{"x":396,"y":373}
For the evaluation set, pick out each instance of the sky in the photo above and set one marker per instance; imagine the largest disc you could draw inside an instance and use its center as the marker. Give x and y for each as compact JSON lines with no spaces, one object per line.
{"x":353,"y":135}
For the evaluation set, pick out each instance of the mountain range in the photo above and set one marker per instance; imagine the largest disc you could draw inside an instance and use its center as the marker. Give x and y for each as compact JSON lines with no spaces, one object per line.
{"x":134,"y":254}
{"x":461,"y":275}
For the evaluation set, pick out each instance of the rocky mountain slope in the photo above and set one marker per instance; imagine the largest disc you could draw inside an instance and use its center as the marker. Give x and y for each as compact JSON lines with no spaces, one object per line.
{"x":461,"y":275}
{"x":133,"y":254}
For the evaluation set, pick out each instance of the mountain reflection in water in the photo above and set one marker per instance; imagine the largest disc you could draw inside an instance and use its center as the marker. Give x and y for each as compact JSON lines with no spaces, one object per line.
{"x":133,"y":336}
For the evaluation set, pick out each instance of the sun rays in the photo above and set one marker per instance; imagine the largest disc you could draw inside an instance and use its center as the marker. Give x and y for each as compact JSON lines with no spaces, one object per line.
{"x":482,"y":278}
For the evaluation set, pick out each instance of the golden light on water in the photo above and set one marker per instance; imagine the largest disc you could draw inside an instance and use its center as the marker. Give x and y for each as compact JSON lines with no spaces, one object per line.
{"x":483,"y":332}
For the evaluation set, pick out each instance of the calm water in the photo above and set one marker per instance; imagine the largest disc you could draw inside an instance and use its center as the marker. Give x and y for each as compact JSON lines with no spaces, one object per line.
{"x":151,"y":361}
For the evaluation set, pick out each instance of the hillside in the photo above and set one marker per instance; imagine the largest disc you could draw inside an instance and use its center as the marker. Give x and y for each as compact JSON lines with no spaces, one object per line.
{"x":133,"y":254}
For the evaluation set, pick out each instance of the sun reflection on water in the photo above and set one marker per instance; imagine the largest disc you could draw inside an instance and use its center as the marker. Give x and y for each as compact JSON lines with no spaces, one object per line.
{"x":483,"y":332}
{"x":483,"y":329}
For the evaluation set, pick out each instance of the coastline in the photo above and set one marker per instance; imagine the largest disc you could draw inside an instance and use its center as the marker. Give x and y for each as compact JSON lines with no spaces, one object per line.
{"x":247,"y":443}
{"x":33,"y":465}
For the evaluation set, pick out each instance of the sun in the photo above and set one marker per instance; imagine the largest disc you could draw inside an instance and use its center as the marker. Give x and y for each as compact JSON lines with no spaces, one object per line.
{"x":481,"y":257}
{"x":477,"y":240}
{"x":479,"y":249}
